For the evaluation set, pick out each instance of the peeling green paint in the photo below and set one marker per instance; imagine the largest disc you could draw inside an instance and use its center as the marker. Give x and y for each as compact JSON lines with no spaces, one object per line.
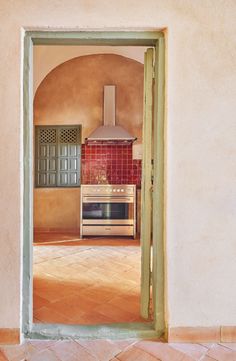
{"x":158,"y":189}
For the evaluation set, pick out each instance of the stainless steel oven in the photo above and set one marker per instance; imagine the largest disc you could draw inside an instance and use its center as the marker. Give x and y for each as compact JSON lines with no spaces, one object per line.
{"x":108,"y":210}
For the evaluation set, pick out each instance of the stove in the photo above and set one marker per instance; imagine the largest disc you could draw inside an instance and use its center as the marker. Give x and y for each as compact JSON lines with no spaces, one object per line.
{"x":108,"y":210}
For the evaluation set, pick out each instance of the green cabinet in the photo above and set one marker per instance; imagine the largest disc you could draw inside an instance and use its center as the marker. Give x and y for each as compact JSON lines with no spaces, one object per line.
{"x":57,"y":156}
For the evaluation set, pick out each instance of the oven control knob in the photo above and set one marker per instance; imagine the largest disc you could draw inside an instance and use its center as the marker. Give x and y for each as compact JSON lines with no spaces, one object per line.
{"x":118,"y":190}
{"x":114,"y":190}
{"x":122,"y":190}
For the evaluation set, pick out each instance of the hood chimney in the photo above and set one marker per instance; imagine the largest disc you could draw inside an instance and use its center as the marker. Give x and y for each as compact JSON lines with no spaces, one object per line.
{"x":109,"y":131}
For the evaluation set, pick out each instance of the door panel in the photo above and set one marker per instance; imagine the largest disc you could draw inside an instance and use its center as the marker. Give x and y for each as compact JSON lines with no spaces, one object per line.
{"x":57,"y":150}
{"x":158,"y":189}
{"x":146,"y":191}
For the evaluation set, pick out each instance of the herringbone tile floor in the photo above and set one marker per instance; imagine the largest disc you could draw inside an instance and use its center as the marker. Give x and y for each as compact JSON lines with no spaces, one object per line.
{"x":119,"y":350}
{"x":86,"y":281}
{"x":96,"y":281}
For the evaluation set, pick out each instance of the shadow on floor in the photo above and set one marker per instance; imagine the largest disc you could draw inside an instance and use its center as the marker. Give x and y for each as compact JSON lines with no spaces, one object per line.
{"x":73,"y":239}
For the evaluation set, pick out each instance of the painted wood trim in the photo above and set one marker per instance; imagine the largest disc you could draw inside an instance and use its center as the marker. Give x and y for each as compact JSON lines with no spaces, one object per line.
{"x":158,"y":188}
{"x":111,"y":331}
{"x":9,"y":336}
{"x":141,"y":38}
{"x":46,"y":37}
{"x":146,"y":189}
{"x":27,"y":304}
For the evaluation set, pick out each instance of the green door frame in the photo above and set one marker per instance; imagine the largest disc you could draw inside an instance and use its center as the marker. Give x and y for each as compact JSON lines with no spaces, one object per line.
{"x":118,"y":330}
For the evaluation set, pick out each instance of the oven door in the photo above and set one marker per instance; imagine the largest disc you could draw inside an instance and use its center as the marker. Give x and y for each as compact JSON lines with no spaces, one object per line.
{"x":108,"y":210}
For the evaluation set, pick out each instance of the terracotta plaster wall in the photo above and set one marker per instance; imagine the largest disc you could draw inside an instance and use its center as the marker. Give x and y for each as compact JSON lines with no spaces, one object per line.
{"x":46,"y":58}
{"x":72,"y":93}
{"x":200,"y":144}
{"x":56,"y":209}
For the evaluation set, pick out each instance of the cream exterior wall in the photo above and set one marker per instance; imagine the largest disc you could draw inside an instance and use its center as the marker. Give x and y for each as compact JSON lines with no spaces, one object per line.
{"x":200,"y":144}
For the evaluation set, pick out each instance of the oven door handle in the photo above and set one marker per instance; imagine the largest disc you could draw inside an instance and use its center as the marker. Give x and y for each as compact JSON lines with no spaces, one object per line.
{"x":108,"y":199}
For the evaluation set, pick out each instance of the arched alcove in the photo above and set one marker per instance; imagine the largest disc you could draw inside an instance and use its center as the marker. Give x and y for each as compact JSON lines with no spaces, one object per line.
{"x":72,"y":93}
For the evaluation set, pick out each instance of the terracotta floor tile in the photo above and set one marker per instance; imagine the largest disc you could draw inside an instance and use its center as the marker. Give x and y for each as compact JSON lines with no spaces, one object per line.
{"x":160,"y":350}
{"x":70,"y":350}
{"x":126,"y":304}
{"x":42,"y":344}
{"x":43,"y":280}
{"x":114,"y":313}
{"x":2,"y":356}
{"x":102,"y":350}
{"x":54,"y":293}
{"x":49,"y":315}
{"x":221,"y":353}
{"x":45,"y":355}
{"x":36,"y":320}
{"x":124,"y":344}
{"x":135,"y":354}
{"x":196,"y":351}
{"x":73,"y":306}
{"x":19,"y":352}
{"x":94,"y":293}
{"x":39,"y":301}
{"x":189,"y":358}
{"x":91,"y":318}
{"x":207,"y":345}
{"x":229,"y":345}
{"x":74,"y":281}
{"x":207,"y":358}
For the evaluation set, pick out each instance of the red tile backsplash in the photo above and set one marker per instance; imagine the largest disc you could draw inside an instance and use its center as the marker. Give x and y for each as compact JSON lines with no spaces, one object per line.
{"x":110,"y":164}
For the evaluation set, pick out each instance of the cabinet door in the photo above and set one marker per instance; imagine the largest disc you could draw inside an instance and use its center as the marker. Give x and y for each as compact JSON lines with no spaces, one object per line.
{"x":57,"y":156}
{"x":69,"y":156}
{"x":46,"y":157}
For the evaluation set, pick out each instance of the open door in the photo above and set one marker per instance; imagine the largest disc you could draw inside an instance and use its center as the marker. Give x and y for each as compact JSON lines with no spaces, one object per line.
{"x":146,"y":195}
{"x":152,"y":222}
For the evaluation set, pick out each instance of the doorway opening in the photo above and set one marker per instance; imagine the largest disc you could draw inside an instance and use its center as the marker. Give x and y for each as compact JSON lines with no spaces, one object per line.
{"x":84,"y":277}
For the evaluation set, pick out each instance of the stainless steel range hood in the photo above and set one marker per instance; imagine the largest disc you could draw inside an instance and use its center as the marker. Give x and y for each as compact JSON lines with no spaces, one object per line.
{"x":109,"y":131}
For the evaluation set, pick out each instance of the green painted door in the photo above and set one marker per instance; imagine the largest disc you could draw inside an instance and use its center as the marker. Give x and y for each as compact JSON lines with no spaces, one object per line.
{"x":146,"y":189}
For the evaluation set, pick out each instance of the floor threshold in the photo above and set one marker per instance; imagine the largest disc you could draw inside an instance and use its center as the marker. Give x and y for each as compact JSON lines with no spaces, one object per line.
{"x":110,"y":331}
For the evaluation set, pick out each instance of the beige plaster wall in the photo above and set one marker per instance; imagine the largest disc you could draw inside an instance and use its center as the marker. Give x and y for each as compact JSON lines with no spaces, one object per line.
{"x":200,"y":144}
{"x":72,"y":93}
{"x":46,"y":58}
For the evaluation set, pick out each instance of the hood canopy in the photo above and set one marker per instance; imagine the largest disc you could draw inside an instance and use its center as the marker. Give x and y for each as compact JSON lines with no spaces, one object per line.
{"x":109,"y":132}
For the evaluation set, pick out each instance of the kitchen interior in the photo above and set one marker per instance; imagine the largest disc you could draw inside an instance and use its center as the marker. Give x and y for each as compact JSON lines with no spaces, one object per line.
{"x":88,"y":115}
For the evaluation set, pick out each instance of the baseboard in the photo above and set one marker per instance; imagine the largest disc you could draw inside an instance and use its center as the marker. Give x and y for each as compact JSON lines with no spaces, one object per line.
{"x":9,"y":336}
{"x":202,"y":334}
{"x":56,"y":230}
{"x":228,"y":334}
